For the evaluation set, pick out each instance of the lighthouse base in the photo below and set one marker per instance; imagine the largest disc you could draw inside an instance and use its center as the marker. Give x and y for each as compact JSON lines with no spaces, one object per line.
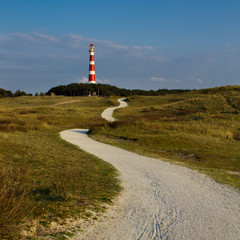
{"x":91,"y":78}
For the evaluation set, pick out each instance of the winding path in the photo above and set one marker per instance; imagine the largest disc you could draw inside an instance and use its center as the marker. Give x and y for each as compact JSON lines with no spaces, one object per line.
{"x":107,"y":113}
{"x":160,"y":200}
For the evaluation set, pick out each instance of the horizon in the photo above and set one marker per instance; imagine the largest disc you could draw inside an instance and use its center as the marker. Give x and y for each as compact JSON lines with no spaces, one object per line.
{"x":145,"y":45}
{"x":132,"y":89}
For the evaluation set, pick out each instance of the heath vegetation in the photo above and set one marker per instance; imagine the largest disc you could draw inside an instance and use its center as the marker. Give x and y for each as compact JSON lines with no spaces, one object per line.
{"x":198,"y":129}
{"x":43,"y":178}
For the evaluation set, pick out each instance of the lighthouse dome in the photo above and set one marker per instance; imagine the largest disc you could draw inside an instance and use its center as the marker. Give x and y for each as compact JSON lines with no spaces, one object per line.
{"x":91,"y":48}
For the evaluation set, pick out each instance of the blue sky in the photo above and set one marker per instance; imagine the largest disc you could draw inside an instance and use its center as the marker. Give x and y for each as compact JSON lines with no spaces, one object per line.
{"x":139,"y":44}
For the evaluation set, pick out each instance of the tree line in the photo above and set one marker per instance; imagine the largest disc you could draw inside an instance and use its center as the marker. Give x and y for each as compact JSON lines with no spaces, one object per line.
{"x":8,"y":93}
{"x":85,"y":89}
{"x":18,"y":93}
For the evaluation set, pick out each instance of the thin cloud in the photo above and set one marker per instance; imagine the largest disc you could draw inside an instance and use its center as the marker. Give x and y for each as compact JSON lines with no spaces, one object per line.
{"x":178,"y":81}
{"x":82,"y":80}
{"x":143,"y":47}
{"x":38,"y":40}
{"x":21,"y":36}
{"x":197,"y":80}
{"x":158,"y":79}
{"x":111,"y":44}
{"x":76,"y":41}
{"x":75,"y":36}
{"x":104,"y":81}
{"x":44,"y":36}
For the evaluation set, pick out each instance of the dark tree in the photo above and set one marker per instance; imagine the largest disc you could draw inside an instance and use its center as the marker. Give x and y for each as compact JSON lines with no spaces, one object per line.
{"x":5,"y":93}
{"x":19,"y":93}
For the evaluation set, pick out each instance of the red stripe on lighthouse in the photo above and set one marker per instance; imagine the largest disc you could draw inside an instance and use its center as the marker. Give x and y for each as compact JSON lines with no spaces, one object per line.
{"x":91,"y":77}
{"x":91,"y":67}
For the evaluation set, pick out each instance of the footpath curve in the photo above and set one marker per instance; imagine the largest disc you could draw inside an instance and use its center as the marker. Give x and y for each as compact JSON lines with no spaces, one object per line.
{"x":107,"y":113}
{"x":160,"y":200}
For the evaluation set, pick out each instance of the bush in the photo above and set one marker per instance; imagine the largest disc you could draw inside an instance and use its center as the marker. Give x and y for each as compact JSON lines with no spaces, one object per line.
{"x":5,"y":93}
{"x":236,"y":136}
{"x":19,"y":93}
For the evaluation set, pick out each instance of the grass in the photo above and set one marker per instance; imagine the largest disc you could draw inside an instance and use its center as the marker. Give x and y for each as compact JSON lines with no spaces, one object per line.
{"x":42,"y":177}
{"x":194,"y":129}
{"x":45,"y":179}
{"x":13,"y":200}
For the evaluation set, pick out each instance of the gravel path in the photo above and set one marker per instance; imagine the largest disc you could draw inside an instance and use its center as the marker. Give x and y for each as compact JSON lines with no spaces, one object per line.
{"x":160,"y":200}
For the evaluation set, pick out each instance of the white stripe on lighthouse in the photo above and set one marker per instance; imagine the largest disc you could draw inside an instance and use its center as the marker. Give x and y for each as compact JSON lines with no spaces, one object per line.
{"x":91,"y":72}
{"x":92,"y":62}
{"x":91,"y":53}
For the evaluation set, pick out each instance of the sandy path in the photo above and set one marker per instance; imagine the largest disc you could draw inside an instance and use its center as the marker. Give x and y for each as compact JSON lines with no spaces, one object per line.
{"x":66,"y":102}
{"x":160,"y":200}
{"x":107,"y":113}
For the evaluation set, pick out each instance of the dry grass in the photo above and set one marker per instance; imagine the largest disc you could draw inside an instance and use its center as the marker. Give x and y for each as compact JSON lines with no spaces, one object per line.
{"x":61,"y":181}
{"x":14,"y":201}
{"x":194,"y":129}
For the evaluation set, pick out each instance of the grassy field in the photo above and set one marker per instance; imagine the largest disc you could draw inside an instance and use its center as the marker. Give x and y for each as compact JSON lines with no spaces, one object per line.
{"x":197,"y":129}
{"x":42,"y":177}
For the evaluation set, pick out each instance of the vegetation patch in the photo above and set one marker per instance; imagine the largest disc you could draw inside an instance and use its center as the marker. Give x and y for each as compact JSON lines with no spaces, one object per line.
{"x":42,"y":177}
{"x":198,"y":129}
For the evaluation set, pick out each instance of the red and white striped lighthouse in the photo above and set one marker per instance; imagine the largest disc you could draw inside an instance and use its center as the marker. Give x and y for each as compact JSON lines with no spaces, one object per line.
{"x":91,"y":78}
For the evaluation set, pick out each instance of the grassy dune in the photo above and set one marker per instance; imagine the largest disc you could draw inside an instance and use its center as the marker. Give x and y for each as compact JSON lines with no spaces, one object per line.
{"x":42,"y":177}
{"x":197,"y":129}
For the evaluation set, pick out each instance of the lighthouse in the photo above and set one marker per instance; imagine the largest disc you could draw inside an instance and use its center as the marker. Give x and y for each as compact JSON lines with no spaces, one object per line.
{"x":91,"y":78}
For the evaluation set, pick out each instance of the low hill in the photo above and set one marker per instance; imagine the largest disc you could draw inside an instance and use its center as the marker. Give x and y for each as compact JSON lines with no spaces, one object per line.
{"x":84,"y":89}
